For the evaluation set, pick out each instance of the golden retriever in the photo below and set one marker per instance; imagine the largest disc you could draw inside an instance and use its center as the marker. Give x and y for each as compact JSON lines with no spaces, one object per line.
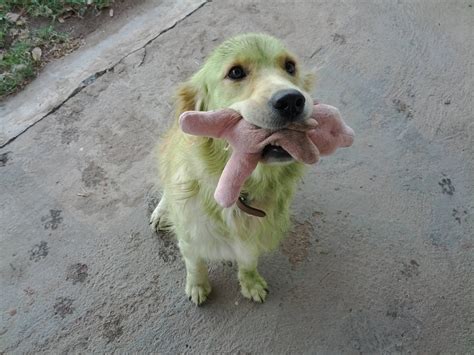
{"x":250,"y":73}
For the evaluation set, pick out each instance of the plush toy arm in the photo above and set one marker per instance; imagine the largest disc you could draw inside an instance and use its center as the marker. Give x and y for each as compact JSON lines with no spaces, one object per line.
{"x":215,"y":124}
{"x":238,"y":169}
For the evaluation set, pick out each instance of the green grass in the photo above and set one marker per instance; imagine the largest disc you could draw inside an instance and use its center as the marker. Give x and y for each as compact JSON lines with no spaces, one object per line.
{"x":16,"y":67}
{"x":54,"y":8}
{"x":17,"y":39}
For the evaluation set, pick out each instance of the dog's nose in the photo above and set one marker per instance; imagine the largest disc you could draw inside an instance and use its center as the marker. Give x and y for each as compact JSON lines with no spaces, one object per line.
{"x":288,"y":103}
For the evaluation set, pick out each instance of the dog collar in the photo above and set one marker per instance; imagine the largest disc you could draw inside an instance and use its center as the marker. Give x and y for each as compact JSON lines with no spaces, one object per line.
{"x":242,"y":204}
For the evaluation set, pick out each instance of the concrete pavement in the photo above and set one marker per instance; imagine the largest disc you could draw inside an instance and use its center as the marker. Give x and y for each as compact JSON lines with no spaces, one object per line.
{"x":380,"y":259}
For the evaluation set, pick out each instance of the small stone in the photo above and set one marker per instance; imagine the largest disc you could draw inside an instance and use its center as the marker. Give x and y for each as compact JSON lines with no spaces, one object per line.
{"x":12,"y":312}
{"x":111,"y":12}
{"x":12,"y":17}
{"x":36,"y":54}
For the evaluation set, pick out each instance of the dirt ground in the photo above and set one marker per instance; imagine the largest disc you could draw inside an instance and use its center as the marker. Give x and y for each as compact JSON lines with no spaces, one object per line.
{"x":101,"y":21}
{"x":381,"y":256}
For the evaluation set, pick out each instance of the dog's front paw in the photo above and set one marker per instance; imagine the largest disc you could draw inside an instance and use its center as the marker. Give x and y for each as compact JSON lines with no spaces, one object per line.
{"x":253,"y":286}
{"x":156,"y":220}
{"x":198,"y":293}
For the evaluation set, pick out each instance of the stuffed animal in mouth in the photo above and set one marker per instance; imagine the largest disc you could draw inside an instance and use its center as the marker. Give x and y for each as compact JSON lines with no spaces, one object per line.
{"x":305,"y":141}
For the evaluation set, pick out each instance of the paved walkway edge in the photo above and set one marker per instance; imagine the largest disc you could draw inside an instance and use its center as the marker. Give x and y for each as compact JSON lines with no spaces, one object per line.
{"x":64,"y":78}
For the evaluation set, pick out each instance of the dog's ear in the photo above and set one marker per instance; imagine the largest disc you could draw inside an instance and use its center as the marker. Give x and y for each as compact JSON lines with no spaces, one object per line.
{"x":190,"y":98}
{"x":308,"y":81}
{"x":186,"y":98}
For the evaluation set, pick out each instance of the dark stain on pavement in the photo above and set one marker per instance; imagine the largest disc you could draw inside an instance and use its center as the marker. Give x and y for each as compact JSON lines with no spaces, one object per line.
{"x":338,"y":38}
{"x":369,"y":334}
{"x":460,"y":215}
{"x":403,"y":107}
{"x":410,"y":269}
{"x":63,"y":306}
{"x":77,"y":273}
{"x":447,"y":186}
{"x":112,"y":328}
{"x":4,"y":158}
{"x":169,"y":250}
{"x":39,"y":251}
{"x":53,"y":220}
{"x":69,"y":135}
{"x":401,"y":309}
{"x":93,"y":175}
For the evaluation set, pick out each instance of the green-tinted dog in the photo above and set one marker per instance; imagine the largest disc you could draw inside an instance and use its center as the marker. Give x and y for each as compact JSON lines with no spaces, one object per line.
{"x":256,"y":76}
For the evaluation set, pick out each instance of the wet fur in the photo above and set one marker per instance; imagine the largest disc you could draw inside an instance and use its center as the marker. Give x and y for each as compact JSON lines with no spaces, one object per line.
{"x":190,"y":168}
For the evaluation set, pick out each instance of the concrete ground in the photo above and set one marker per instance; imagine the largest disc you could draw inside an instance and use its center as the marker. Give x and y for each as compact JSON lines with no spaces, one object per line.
{"x":380,"y":259}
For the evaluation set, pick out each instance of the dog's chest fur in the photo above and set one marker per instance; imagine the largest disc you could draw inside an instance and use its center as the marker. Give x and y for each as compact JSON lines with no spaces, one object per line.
{"x":231,"y":234}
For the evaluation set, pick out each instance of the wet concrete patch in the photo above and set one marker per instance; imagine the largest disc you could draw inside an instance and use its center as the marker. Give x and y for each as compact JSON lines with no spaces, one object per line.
{"x":447,"y":186}
{"x":53,"y":220}
{"x":460,"y":215}
{"x":39,"y":251}
{"x":63,"y":306}
{"x":77,"y":273}
{"x":403,"y":107}
{"x":69,"y":135}
{"x":112,"y":327}
{"x":338,"y":38}
{"x":93,"y":175}
{"x":410,"y":269}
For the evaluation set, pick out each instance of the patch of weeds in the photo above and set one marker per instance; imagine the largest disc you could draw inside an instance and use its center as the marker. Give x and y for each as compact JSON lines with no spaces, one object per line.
{"x":56,"y":8}
{"x":47,"y":35}
{"x":16,"y":67}
{"x":24,"y":50}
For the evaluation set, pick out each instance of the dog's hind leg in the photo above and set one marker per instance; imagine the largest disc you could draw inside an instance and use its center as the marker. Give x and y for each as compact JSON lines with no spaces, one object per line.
{"x":197,"y":277}
{"x":252,"y":285}
{"x":157,"y":219}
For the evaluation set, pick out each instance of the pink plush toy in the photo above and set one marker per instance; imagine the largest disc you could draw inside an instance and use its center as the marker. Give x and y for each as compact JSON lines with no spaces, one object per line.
{"x":322,"y":134}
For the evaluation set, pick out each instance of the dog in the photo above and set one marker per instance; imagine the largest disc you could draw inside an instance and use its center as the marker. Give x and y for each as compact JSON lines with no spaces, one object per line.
{"x":258,"y":77}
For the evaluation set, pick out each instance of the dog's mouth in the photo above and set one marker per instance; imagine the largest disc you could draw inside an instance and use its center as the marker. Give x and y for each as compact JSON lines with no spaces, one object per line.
{"x":275,"y":153}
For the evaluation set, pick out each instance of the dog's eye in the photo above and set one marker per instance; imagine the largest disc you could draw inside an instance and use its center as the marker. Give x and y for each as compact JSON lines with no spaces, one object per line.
{"x":236,"y":73}
{"x":290,"y":67}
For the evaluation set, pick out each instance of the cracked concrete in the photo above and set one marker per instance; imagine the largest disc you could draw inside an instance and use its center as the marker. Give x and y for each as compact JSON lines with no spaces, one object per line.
{"x":381,"y":255}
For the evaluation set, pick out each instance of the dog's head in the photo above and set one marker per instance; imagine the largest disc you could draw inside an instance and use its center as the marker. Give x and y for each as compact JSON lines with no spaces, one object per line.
{"x":255,"y":75}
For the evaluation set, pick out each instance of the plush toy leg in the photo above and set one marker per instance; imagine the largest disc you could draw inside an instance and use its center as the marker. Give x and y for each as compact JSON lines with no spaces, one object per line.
{"x":208,"y":124}
{"x":237,"y":170}
{"x":252,"y":285}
